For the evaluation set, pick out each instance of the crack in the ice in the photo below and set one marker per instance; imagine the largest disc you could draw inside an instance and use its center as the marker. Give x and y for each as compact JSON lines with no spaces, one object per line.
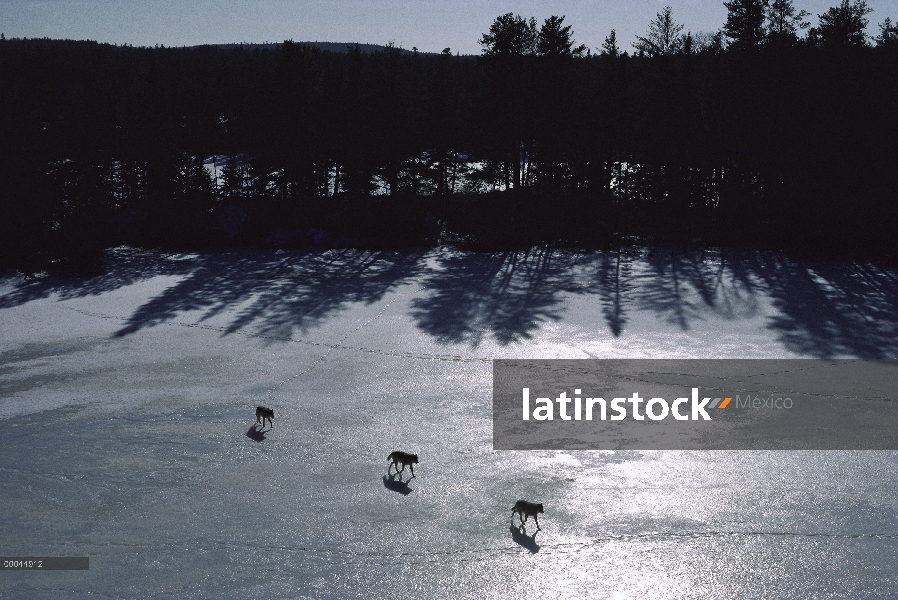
{"x":337,"y":346}
{"x":339,"y":343}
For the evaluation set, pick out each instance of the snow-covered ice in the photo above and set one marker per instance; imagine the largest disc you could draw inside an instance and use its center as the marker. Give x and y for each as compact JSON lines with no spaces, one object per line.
{"x":127,"y":409}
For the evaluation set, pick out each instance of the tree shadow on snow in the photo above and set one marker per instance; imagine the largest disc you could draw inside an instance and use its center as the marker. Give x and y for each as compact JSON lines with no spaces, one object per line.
{"x":279,"y":295}
{"x":503,"y":295}
{"x":820,"y":309}
{"x":121,"y":267}
{"x":829,"y":309}
{"x":274,"y":293}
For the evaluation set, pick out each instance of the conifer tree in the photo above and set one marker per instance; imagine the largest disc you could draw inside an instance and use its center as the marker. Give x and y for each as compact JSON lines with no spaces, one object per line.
{"x":888,"y":34}
{"x":609,"y":48}
{"x":783,"y":22}
{"x":555,"y":40}
{"x":745,"y":23}
{"x":842,"y":25}
{"x":510,"y":35}
{"x":663,"y":37}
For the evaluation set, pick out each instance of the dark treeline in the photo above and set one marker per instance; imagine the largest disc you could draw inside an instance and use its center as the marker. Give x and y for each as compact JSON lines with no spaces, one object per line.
{"x":790,"y":145}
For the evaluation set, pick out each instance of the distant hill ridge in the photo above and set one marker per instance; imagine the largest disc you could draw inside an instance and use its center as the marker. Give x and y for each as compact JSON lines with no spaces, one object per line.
{"x":327,"y":46}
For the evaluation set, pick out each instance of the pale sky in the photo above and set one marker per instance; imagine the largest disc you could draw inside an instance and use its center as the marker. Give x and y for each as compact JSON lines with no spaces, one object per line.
{"x":430,"y":25}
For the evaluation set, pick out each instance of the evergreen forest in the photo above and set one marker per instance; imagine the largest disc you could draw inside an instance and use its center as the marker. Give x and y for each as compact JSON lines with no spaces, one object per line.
{"x":769,"y":133}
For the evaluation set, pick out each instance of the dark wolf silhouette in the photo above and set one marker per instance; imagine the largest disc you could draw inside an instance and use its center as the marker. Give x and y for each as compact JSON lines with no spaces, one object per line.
{"x":264,"y":413}
{"x":527,"y":509}
{"x":404,"y":458}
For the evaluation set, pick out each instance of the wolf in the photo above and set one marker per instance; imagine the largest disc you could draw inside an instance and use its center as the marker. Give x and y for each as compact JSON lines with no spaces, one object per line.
{"x":527,"y":509}
{"x":264,"y":413}
{"x":404,"y":458}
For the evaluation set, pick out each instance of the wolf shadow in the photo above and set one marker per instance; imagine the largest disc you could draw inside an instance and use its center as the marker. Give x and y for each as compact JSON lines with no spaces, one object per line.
{"x":520,"y":537}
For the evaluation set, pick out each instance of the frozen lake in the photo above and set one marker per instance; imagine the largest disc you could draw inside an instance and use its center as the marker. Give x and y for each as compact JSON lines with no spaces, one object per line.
{"x":127,"y":404}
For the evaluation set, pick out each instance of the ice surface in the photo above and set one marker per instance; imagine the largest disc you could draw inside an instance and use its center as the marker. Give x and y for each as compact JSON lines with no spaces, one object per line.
{"x":127,"y":404}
